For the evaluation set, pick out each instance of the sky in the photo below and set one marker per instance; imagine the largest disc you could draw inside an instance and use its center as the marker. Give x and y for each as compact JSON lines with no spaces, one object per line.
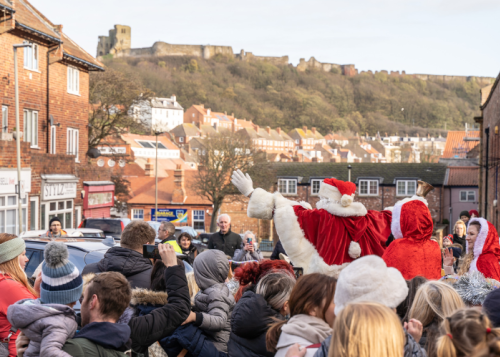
{"x":451,"y":37}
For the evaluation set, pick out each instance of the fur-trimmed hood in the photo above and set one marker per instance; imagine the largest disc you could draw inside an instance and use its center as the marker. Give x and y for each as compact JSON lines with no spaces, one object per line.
{"x":411,"y":218}
{"x":145,"y":297}
{"x":356,"y":209}
{"x":486,"y":241}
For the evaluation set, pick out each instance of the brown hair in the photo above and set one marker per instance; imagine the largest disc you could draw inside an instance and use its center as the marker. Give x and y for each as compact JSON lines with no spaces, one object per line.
{"x":465,"y":332}
{"x":366,"y":329}
{"x":113,"y":291}
{"x":158,"y":275}
{"x":493,"y":349}
{"x":185,"y":234}
{"x":310,"y":291}
{"x":469,"y":257}
{"x":12,"y":267}
{"x":403,"y":309}
{"x":137,"y":233}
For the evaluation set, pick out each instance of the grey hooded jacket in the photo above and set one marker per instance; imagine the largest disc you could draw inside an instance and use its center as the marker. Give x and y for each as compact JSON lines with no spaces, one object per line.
{"x":47,"y":326}
{"x":214,"y":300}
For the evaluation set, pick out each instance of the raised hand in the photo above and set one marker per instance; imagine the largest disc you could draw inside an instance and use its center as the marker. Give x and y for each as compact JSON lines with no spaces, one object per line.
{"x":415,"y":329}
{"x":167,"y":253}
{"x":242,"y":182}
{"x":448,"y":257}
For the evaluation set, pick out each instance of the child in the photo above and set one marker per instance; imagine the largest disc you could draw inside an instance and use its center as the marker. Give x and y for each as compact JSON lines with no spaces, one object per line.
{"x":49,"y":321}
{"x":464,"y":332}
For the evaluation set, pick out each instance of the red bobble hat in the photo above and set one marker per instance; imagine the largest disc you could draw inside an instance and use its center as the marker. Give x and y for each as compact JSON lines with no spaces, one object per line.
{"x":344,"y":187}
{"x":331,"y":188}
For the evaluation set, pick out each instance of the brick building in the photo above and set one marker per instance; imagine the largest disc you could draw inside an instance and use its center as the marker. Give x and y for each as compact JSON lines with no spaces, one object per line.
{"x":268,"y":140}
{"x":306,"y":139}
{"x":460,"y":191}
{"x":199,"y":116}
{"x":489,"y":158}
{"x":53,"y":105}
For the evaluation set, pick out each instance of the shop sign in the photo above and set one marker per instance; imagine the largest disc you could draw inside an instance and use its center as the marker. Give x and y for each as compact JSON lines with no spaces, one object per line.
{"x":58,"y":190}
{"x":100,"y":199}
{"x":8,"y":180}
{"x":112,"y":150}
{"x":170,"y":215}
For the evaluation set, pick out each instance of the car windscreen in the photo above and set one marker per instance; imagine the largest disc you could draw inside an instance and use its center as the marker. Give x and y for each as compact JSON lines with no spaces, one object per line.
{"x":109,"y":227}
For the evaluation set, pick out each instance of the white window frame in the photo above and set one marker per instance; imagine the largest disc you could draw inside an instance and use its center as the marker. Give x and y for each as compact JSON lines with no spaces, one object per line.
{"x":197,"y":213}
{"x":313,"y":191}
{"x":31,"y":57}
{"x":406,"y":194}
{"x":31,"y":127}
{"x":287,"y":186}
{"x":78,"y":216}
{"x":6,"y":207}
{"x":72,"y":142}
{"x":73,"y":80}
{"x":53,"y":135}
{"x":467,"y":193}
{"x":368,"y":187}
{"x":181,"y":139}
{"x":50,"y":213}
{"x":35,"y":213}
{"x":139,"y":212}
{"x":5,"y":118}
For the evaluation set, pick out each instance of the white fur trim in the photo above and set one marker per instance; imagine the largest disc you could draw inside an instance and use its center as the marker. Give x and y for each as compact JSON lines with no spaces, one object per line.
{"x":480,"y":240}
{"x":261,"y":204}
{"x":396,"y":215}
{"x":356,"y":209}
{"x":300,"y":251}
{"x":346,"y":200}
{"x":329,"y":191}
{"x":354,"y":250}
{"x":390,"y":209}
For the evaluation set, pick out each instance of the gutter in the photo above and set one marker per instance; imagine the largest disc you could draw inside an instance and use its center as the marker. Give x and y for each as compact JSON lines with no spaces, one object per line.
{"x":42,"y":34}
{"x":98,"y":68}
{"x":7,"y":8}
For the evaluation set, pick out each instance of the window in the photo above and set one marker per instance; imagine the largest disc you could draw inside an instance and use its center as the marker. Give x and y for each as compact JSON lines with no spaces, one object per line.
{"x":31,"y":127}
{"x":73,"y":80}
{"x":297,"y":141}
{"x":368,"y":187}
{"x":31,"y":57}
{"x":33,"y":213}
{"x":315,"y":185}
{"x":287,"y":186}
{"x":5,"y":121}
{"x":199,"y":220}
{"x":53,"y":139}
{"x":72,"y":143}
{"x":9,"y":216}
{"x":138,"y":214}
{"x":406,"y":188}
{"x":181,"y":139}
{"x":467,"y":196}
{"x":62,"y":210}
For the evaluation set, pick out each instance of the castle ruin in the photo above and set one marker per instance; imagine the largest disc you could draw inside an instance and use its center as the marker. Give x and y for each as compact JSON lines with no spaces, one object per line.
{"x":118,"y":44}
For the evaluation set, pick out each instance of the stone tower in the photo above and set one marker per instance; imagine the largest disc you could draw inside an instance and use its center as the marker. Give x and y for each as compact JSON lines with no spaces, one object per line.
{"x":119,"y":39}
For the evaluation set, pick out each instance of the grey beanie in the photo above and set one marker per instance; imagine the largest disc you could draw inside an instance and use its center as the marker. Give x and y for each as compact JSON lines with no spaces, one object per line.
{"x":61,"y":281}
{"x":11,"y":249}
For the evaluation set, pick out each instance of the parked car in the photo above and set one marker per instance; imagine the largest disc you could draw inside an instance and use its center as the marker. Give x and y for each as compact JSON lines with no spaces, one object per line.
{"x":72,"y":232}
{"x":110,"y":226}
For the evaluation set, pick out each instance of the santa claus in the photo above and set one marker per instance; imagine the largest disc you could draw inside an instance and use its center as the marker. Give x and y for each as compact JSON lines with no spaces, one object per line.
{"x":325,"y":239}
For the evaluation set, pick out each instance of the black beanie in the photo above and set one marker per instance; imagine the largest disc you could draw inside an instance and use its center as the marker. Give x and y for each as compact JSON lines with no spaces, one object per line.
{"x":465,"y":213}
{"x":54,"y":219}
{"x":490,"y":307}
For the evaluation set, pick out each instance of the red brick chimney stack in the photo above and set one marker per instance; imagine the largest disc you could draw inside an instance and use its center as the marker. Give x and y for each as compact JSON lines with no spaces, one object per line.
{"x":268,"y":129}
{"x":305,"y":129}
{"x":278,"y":130}
{"x":179,"y":194}
{"x":313,"y":129}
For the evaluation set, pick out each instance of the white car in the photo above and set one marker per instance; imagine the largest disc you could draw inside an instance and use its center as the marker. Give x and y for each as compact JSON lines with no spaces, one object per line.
{"x":72,"y":232}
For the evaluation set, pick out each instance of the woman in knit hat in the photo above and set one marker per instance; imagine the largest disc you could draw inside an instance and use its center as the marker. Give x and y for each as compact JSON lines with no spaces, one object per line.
{"x":465,"y":216}
{"x":51,"y":315}
{"x":14,"y":281}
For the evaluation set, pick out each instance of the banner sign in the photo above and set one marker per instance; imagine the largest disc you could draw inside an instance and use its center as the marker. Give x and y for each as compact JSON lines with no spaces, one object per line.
{"x":170,"y":215}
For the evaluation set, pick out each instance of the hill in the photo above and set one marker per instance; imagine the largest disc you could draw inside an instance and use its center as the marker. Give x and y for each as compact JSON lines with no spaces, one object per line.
{"x":280,"y":96}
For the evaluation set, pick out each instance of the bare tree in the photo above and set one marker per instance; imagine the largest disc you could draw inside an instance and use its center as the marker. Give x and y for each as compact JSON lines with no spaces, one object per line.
{"x":112,"y":94}
{"x":220,"y":156}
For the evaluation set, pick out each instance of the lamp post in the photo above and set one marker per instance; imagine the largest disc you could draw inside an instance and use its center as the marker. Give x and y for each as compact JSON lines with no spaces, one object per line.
{"x":156,"y":176}
{"x":20,"y":191}
{"x":349,"y":167}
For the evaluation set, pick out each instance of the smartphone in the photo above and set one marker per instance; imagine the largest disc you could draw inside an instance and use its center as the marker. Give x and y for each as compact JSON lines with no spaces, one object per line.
{"x":150,"y":251}
{"x":298,"y":272}
{"x":249,"y":240}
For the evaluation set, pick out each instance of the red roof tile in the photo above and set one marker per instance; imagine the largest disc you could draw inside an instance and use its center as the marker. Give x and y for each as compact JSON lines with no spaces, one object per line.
{"x":456,"y":146}
{"x":462,"y":176}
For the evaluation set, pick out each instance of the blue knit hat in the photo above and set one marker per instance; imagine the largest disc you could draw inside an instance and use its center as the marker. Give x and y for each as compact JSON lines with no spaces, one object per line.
{"x":61,"y":281}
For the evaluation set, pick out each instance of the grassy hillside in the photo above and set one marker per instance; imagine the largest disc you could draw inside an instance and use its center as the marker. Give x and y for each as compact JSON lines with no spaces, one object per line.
{"x":281,"y":96}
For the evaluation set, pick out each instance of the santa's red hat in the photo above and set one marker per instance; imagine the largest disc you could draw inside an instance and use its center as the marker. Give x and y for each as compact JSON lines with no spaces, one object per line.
{"x":338,"y":190}
{"x":486,"y":250}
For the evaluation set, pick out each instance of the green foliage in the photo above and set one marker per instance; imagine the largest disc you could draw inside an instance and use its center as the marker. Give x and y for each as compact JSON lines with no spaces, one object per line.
{"x":162,"y":64}
{"x":282,"y":96}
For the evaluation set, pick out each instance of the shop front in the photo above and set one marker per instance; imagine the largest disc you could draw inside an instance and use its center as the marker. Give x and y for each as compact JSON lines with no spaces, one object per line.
{"x":57,"y":199}
{"x":9,"y":216}
{"x":98,"y":198}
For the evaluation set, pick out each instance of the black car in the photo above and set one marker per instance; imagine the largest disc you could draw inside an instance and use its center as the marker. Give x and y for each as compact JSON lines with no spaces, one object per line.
{"x":112,"y":227}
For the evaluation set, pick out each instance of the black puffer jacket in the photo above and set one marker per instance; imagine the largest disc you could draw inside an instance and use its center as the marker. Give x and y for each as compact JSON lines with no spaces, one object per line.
{"x":249,"y":324}
{"x":130,"y":263}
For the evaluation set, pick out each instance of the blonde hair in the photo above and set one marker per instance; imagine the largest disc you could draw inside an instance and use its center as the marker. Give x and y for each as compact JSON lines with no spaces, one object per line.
{"x":434,"y":301}
{"x":469,"y":257}
{"x":193,"y":287}
{"x":458,"y":223}
{"x":13,"y":269}
{"x":465,"y":332}
{"x":367,"y":329}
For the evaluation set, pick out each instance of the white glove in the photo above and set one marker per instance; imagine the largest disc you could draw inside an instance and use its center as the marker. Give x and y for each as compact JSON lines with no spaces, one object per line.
{"x":242,"y":182}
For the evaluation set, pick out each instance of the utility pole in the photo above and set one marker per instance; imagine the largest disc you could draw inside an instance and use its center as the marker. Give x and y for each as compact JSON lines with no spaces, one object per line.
{"x":485,"y":214}
{"x":156,"y":179}
{"x":20,"y":188}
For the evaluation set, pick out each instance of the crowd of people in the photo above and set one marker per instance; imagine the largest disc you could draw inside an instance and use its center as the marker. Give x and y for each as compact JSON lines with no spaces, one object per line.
{"x":230,"y":301}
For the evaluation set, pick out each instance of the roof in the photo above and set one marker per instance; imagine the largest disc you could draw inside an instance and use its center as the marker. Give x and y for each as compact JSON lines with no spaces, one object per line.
{"x":133,"y":139}
{"x":456,"y":146}
{"x":485,"y":93}
{"x":430,"y":173}
{"x":333,"y":136}
{"x":186,"y":129}
{"x":142,"y":190}
{"x":164,"y":165}
{"x":484,"y":102}
{"x":305,"y":133}
{"x":165,"y":103}
{"x":462,"y":176}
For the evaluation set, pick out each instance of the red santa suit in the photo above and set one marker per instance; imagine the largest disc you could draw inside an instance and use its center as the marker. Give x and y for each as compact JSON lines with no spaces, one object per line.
{"x":413,"y":252}
{"x":486,"y":250}
{"x":328,"y":238}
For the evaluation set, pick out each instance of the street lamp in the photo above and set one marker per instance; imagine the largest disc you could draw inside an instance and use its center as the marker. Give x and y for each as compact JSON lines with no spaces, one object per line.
{"x":349,"y":167}
{"x":156,"y":175}
{"x":20,"y":189}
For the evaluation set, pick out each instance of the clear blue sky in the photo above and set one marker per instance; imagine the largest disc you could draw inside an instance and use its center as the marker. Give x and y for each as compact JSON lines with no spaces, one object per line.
{"x":453,"y":37}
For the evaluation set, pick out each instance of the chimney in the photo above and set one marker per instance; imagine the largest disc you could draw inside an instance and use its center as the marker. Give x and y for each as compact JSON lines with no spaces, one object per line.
{"x":305,"y":129}
{"x":278,"y":130}
{"x":225,"y":113}
{"x":366,"y":135}
{"x":313,"y":129}
{"x":257,"y":128}
{"x":148,"y":168}
{"x":232,"y":114}
{"x":173,"y":97}
{"x":428,"y":136}
{"x":233,"y":127}
{"x":418,"y":135}
{"x":268,"y":129}
{"x":208,"y":111}
{"x":179,"y":194}
{"x":385,"y":134}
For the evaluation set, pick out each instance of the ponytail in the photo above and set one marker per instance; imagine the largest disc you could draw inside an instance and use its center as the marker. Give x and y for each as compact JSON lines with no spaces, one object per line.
{"x":445,"y":346}
{"x":273,"y":336}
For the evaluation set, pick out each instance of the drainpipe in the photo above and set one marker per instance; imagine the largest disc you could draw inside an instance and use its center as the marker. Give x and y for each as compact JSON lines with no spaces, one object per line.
{"x":487,"y":132}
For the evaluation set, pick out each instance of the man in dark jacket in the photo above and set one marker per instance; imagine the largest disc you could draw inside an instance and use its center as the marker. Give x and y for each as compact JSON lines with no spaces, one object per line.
{"x":224,"y":239}
{"x":278,"y":248}
{"x":127,"y":259}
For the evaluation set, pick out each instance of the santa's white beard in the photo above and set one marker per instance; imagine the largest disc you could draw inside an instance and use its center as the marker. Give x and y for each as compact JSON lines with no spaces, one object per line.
{"x":324,"y":202}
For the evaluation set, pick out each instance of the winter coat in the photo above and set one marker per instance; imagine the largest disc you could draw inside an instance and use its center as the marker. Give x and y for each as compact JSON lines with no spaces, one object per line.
{"x":306,"y":331}
{"x":241,"y":255}
{"x":250,"y":321}
{"x":144,"y":301}
{"x":99,"y":339}
{"x":214,"y":300}
{"x":47,"y":326}
{"x":461,"y":241}
{"x":162,"y":321}
{"x":17,"y":291}
{"x":130,"y":263}
{"x":227,"y":243}
{"x":278,"y":248}
{"x":191,"y":253}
